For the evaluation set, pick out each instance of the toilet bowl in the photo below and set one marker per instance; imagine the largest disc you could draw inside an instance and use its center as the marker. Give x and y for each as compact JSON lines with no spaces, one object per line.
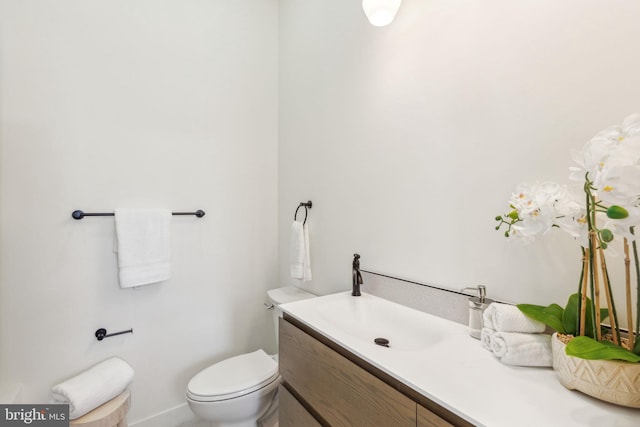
{"x":238,"y":391}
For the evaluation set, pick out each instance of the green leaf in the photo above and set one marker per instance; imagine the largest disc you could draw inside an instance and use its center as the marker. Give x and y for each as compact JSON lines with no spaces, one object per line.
{"x":617,"y":212}
{"x":550,"y":316}
{"x":588,"y":348}
{"x":636,"y":347}
{"x":572,"y":314}
{"x":606,"y":235}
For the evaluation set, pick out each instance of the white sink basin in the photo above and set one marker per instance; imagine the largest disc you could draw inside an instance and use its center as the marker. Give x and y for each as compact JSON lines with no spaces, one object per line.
{"x":358,"y":321}
{"x":367,"y":317}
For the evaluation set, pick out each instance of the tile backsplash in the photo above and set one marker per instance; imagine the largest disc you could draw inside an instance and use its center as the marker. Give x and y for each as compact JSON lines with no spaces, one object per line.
{"x":450,"y":305}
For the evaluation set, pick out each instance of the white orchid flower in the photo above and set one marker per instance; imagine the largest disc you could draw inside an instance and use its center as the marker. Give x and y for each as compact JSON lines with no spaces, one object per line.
{"x":618,"y":182}
{"x":595,"y":153}
{"x":619,"y":185}
{"x":631,"y":125}
{"x":608,"y":166}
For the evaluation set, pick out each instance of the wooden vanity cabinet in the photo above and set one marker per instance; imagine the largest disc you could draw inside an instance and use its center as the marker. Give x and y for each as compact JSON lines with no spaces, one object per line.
{"x":325,"y":385}
{"x":292,"y":413}
{"x":426,"y":418}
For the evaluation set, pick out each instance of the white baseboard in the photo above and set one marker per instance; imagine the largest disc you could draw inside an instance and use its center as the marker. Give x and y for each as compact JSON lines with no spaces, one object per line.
{"x":180,"y":415}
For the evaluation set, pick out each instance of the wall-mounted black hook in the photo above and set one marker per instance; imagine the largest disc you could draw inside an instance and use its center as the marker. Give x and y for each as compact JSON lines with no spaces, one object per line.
{"x":102,"y":333}
{"x":306,"y":206}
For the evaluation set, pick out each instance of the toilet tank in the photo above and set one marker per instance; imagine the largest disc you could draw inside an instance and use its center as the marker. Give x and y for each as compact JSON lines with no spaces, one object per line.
{"x":282,"y":296}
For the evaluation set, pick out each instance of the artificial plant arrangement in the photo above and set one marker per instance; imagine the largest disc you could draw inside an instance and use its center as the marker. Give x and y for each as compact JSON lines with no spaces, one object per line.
{"x":603,"y":209}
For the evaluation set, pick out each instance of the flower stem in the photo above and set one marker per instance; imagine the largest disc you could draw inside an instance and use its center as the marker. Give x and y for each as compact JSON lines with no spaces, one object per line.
{"x":592,"y":290}
{"x":596,"y":286}
{"x":580,"y":284}
{"x":627,"y":283}
{"x":635,"y":258}
{"x":591,"y":220}
{"x":583,"y":295}
{"x":613,"y":315}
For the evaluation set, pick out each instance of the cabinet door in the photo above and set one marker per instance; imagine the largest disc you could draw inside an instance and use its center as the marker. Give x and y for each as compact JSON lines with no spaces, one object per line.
{"x":426,"y":418}
{"x":339,"y":391}
{"x":292,"y":413}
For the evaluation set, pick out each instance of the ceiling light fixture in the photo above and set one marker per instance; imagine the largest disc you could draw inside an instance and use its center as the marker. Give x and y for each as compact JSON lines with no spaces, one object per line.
{"x":380,"y":12}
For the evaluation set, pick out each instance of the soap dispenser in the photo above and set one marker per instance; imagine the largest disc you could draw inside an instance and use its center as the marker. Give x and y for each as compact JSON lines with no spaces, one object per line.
{"x":477,"y":305}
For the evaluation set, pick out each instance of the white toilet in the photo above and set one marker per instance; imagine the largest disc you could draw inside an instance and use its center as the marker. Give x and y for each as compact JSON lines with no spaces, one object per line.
{"x":238,"y":391}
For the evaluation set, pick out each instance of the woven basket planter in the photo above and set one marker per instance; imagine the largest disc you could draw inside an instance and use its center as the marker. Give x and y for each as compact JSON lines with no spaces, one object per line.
{"x":609,"y":380}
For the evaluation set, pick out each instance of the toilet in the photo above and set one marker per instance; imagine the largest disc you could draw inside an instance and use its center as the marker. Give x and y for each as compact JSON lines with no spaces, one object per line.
{"x":240,"y":390}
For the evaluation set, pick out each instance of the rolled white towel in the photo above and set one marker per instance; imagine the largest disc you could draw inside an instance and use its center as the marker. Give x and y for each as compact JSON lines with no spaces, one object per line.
{"x":93,"y":387}
{"x":509,"y":318}
{"x":521,"y":349}
{"x":486,"y":338}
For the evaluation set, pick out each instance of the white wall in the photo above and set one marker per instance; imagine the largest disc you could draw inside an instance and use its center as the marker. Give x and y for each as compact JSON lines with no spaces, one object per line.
{"x":410,"y":138}
{"x":139,"y":103}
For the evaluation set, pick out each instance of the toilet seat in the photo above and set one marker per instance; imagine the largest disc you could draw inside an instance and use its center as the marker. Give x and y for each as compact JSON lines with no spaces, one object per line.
{"x":233,"y":377}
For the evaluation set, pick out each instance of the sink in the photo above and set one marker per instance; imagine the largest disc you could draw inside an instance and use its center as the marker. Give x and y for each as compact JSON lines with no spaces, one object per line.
{"x":360,"y":320}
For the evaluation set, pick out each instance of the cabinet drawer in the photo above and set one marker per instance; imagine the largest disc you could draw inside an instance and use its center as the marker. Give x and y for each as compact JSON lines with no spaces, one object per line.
{"x":338,"y":390}
{"x":292,"y":413}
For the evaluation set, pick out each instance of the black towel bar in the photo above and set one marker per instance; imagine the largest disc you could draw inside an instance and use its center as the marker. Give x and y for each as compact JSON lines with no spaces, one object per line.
{"x":80,"y":214}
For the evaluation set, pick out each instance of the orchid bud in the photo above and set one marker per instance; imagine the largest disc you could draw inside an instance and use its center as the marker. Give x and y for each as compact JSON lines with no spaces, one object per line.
{"x":606,"y":235}
{"x":617,"y":212}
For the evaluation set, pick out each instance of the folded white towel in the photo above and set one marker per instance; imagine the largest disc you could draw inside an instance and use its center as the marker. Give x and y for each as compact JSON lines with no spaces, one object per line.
{"x":93,"y":387}
{"x":487,"y":322}
{"x":523,"y":349}
{"x":486,"y":338}
{"x":300,"y":256}
{"x":143,"y":239}
{"x":509,"y":318}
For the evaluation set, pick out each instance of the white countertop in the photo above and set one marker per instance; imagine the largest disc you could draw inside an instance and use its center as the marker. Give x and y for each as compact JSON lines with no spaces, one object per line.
{"x":453,"y":370}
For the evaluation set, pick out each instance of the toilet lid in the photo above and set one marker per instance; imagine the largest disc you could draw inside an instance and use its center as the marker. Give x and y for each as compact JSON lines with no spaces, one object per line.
{"x":233,"y":377}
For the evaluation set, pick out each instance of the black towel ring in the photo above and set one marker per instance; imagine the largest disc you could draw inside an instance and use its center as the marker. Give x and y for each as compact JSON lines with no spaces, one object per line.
{"x":306,"y":212}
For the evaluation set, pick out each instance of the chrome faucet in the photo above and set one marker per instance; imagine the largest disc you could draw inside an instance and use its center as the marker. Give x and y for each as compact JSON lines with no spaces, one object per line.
{"x":356,"y":276}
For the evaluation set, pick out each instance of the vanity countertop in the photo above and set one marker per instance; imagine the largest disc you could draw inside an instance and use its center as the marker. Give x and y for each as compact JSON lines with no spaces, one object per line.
{"x":444,"y":364}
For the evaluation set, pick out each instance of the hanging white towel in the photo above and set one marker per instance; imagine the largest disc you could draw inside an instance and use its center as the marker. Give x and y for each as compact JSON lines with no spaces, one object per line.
{"x":93,"y":387}
{"x":143,"y":242}
{"x":307,"y":255}
{"x":300,"y":257}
